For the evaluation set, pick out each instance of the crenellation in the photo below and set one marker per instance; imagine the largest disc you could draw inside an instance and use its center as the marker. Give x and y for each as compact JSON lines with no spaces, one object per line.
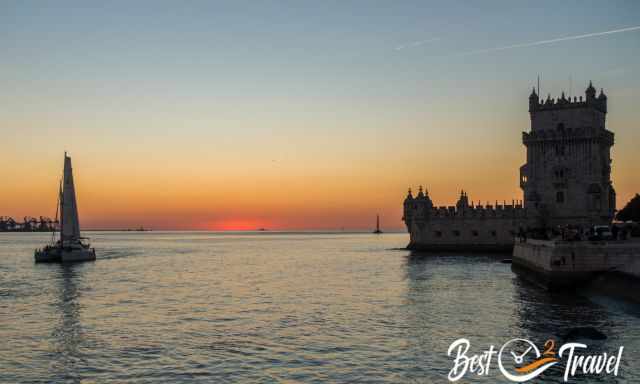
{"x":463,"y":210}
{"x":562,"y":103}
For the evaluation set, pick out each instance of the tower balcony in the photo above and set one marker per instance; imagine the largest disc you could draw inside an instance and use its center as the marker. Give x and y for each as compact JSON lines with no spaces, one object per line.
{"x":583,"y":133}
{"x":524,"y":176}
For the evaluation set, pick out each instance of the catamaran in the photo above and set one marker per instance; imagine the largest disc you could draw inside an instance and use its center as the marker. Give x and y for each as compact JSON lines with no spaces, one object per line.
{"x":70,"y":246}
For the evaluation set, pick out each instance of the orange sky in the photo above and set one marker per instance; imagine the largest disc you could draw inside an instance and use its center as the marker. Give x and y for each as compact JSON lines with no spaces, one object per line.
{"x":175,"y":182}
{"x":314,"y":116}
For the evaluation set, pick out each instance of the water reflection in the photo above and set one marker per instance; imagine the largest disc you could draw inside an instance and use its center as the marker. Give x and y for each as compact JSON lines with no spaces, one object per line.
{"x":540,"y":312}
{"x":450,"y":297}
{"x":339,"y":310}
{"x":422,"y":336}
{"x":543,"y":315}
{"x":68,"y":334}
{"x":478,"y":298}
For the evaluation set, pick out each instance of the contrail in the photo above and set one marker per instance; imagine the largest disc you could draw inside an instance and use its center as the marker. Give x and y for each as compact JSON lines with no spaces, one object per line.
{"x":416,"y":43}
{"x":550,"y":41}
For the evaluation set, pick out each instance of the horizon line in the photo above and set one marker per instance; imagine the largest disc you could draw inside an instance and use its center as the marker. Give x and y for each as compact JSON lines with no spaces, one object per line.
{"x":327,"y":230}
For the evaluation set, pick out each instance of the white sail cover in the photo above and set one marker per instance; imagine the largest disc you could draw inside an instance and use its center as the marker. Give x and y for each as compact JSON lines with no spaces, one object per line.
{"x":69,"y":209}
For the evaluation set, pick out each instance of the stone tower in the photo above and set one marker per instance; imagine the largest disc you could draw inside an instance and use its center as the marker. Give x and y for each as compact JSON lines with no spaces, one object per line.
{"x":567,"y":176}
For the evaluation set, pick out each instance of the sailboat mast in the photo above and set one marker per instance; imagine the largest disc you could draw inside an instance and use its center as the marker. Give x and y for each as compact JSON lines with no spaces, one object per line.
{"x":61,"y":197}
{"x":377,"y":222}
{"x":53,"y":233}
{"x":61,"y":206}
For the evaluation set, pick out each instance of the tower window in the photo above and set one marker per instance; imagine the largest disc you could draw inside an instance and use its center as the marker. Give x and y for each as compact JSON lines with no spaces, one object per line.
{"x":474,"y":233}
{"x":438,"y":233}
{"x":595,"y":193}
{"x":493,"y":233}
{"x":559,"y":173}
{"x":559,"y":197}
{"x":456,"y":233}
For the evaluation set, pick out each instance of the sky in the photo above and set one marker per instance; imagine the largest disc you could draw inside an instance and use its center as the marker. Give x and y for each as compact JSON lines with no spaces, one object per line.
{"x":294,"y":115}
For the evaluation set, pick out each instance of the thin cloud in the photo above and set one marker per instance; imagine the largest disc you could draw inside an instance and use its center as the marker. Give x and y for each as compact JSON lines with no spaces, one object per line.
{"x":545,"y":42}
{"x":615,"y":72}
{"x":418,"y":43}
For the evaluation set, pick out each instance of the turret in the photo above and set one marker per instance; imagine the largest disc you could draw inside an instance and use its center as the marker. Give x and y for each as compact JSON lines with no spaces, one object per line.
{"x":408,"y":206}
{"x":563,"y":99}
{"x":534,"y":101}
{"x":463,"y":201}
{"x":409,"y":197}
{"x":590,"y":93}
{"x":602,"y":96}
{"x":602,"y":101}
{"x":423,"y":198}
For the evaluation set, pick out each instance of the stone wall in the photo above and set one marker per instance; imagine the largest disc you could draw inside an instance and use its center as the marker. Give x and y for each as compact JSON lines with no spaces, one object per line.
{"x":462,"y":227}
{"x":580,"y":256}
{"x":464,"y":233}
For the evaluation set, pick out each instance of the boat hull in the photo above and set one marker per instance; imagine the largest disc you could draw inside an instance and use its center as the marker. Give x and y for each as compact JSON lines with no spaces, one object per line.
{"x":47,"y":255}
{"x":77,"y":255}
{"x":57,"y":255}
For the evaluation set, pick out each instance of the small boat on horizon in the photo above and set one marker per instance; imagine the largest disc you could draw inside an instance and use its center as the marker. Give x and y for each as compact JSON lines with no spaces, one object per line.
{"x":70,"y":246}
{"x":377,"y":231}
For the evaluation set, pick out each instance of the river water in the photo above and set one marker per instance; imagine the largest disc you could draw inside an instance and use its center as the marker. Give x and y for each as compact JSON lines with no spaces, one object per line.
{"x":278,"y":307}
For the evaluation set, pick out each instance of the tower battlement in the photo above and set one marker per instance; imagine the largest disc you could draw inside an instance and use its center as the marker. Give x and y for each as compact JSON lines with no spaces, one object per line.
{"x":422,"y":208}
{"x":599,"y":103}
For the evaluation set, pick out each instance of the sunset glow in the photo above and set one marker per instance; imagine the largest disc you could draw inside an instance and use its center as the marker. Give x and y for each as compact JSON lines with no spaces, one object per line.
{"x":307,"y":119}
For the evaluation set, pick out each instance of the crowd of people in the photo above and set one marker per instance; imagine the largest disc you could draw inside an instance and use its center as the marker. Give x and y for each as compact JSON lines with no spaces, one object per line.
{"x":578,"y":232}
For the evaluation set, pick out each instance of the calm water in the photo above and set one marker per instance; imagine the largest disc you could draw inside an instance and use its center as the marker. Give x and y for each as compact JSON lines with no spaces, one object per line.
{"x":203,"y":307}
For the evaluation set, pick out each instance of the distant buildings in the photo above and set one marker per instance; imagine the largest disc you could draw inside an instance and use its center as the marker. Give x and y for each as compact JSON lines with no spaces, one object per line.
{"x":566,"y":180}
{"x":29,"y":224}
